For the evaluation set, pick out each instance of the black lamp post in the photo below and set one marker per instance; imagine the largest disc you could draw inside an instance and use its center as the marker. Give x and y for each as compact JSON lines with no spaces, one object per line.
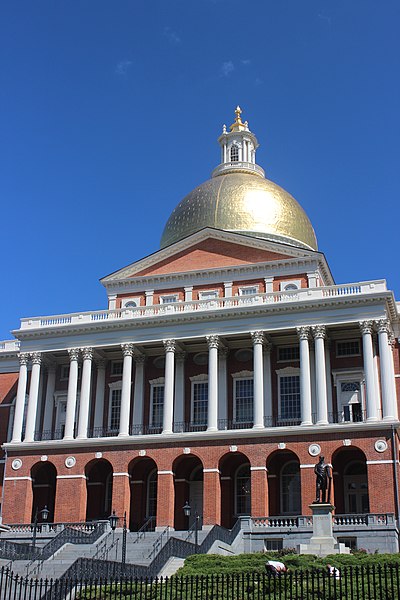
{"x":187,"y":512}
{"x":113,"y":524}
{"x":45,"y":515}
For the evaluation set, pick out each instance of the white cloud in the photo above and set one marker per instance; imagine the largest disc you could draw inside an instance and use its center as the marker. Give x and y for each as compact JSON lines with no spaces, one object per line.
{"x":227,"y":68}
{"x":123,"y":67}
{"x":172,"y":36}
{"x":246,"y":62}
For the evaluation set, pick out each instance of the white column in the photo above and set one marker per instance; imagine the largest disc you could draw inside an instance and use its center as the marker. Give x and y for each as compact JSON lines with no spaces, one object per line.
{"x":49,"y":401}
{"x":138,"y":394}
{"x":267,"y":385}
{"x":222,"y":385}
{"x":376,"y":379}
{"x":212,"y":420}
{"x":188,"y":293}
{"x":228,"y":289}
{"x":20,"y":401}
{"x":71,"y":396}
{"x":388,"y":401}
{"x":127,"y":351}
{"x":305,"y":378}
{"x":99,"y":400}
{"x":168,"y":409}
{"x":329,"y":378}
{"x":371,"y":403}
{"x":319,"y":333}
{"x":258,"y":379}
{"x":392,"y":377}
{"x":87,"y":354}
{"x":149,"y":297}
{"x":179,"y":408}
{"x":36,"y":358}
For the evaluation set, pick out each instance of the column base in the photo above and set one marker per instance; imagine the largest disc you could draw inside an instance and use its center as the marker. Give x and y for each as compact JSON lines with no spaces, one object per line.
{"x":123,"y":434}
{"x":81,"y":437}
{"x":322,"y":422}
{"x":68,"y":438}
{"x":258,"y":427}
{"x":389,"y":418}
{"x":212,"y":429}
{"x":167,"y":432}
{"x":372,"y":419}
{"x":306,"y":423}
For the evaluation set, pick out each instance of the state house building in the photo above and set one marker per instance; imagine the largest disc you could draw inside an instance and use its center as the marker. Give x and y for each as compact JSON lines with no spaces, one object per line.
{"x":222,"y":367}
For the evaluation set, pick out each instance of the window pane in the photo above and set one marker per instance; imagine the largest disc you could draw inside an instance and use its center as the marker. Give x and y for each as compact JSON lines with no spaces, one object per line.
{"x":290,"y":397}
{"x":200,"y":403}
{"x":157,"y":405}
{"x":234,"y":153}
{"x":289,"y":353}
{"x":348,"y":348}
{"x":169,"y":299}
{"x":244,"y":394}
{"x":248,"y":291}
{"x":243,"y":491}
{"x":115,"y":409}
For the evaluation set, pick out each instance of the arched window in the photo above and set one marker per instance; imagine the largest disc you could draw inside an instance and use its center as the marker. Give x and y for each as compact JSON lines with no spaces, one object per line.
{"x":130,"y":304}
{"x":151,"y":509}
{"x":356,"y":497}
{"x":234,"y":153}
{"x":290,"y":488}
{"x":243,"y":491}
{"x":291,"y":286}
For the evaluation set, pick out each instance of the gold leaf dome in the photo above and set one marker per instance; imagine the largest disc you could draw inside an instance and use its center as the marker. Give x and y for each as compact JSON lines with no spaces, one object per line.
{"x":240,"y":199}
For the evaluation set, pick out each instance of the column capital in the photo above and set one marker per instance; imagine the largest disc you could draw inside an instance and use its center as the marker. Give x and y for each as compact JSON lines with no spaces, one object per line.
{"x":181,"y":356}
{"x":127,"y":349}
{"x":36,"y":358}
{"x":169,"y":345}
{"x":139,"y":359}
{"x":23,"y":359}
{"x":268,"y":347}
{"x":383,"y":326}
{"x":87,"y":353}
{"x":319,"y":331}
{"x":73,"y":353}
{"x":303,"y":332}
{"x":366,"y":327}
{"x":257,"y":337}
{"x":224,"y":352}
{"x":100,"y":363}
{"x":212,"y":341}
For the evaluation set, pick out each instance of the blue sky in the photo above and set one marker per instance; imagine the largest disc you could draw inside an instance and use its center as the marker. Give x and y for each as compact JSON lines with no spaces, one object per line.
{"x":110,"y":110}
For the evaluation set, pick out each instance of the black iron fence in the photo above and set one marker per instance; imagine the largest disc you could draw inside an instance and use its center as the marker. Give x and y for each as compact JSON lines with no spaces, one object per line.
{"x":351,"y":583}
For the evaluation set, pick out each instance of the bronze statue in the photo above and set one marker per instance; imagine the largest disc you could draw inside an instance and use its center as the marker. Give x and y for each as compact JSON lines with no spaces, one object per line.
{"x":323,"y":472}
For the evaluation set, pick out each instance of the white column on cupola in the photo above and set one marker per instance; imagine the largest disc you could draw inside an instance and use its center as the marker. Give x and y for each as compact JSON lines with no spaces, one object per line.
{"x":127,"y":351}
{"x":212,"y":420}
{"x":71,"y":394}
{"x":371,"y":403}
{"x":36,"y":358}
{"x":319,"y":333}
{"x":305,"y":377}
{"x":169,"y":384}
{"x":21,"y":395}
{"x":258,"y":379}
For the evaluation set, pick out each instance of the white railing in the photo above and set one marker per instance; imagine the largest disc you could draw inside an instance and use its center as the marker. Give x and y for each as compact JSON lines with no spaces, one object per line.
{"x":9,"y":346}
{"x":157,"y":310}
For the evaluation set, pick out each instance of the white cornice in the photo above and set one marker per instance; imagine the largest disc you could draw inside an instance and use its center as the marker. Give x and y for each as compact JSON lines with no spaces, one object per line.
{"x":210,"y":233}
{"x":246,"y":435}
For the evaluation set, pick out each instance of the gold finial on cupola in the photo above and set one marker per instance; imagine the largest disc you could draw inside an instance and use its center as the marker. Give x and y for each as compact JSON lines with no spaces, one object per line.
{"x":238,"y":125}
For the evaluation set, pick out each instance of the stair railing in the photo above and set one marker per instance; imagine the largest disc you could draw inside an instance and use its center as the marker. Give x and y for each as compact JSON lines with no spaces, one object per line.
{"x":140,"y":534}
{"x":160,"y":541}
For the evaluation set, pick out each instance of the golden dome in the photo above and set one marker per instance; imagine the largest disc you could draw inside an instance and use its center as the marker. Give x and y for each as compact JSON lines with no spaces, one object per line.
{"x":243,"y":203}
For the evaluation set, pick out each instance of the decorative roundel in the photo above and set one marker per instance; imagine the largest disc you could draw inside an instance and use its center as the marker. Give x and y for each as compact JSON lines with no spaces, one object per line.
{"x":314,"y":449}
{"x":16,"y":464}
{"x":70,"y":461}
{"x":381,"y":445}
{"x":98,"y":455}
{"x":44,"y":458}
{"x":142,"y":452}
{"x":281,"y":446}
{"x":186,"y":451}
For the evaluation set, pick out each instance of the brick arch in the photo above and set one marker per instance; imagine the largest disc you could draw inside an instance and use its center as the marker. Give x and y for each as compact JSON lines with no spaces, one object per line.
{"x":143,"y":484}
{"x":99,"y":483}
{"x":350,"y":463}
{"x":188,"y":487}
{"x":44,"y":483}
{"x":230,"y":465}
{"x":280,"y":465}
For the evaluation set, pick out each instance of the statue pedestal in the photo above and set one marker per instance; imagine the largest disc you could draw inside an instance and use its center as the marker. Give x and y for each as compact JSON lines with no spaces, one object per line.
{"x":322,"y":541}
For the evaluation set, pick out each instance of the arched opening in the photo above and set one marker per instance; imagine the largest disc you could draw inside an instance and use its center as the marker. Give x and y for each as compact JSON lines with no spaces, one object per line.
{"x":44,"y":478}
{"x":143,"y":482}
{"x":284,"y":483}
{"x":188,"y":482}
{"x":350,"y":479}
{"x":235,"y":487}
{"x":99,"y":482}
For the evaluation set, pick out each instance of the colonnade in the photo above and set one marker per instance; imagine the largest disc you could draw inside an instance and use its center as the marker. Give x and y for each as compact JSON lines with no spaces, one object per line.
{"x":216,"y":364}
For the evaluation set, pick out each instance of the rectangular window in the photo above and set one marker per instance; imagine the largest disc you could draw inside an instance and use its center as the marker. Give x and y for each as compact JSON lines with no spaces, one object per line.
{"x":64,"y":372}
{"x":115,"y":409}
{"x":244,"y":395}
{"x":157,"y":405}
{"x":200,"y":403}
{"x":288,"y":353}
{"x":169,"y":299}
{"x":348,"y":348}
{"x":116,"y":367}
{"x":290,"y":397}
{"x":208,"y":295}
{"x":273,"y":545}
{"x":248,"y":290}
